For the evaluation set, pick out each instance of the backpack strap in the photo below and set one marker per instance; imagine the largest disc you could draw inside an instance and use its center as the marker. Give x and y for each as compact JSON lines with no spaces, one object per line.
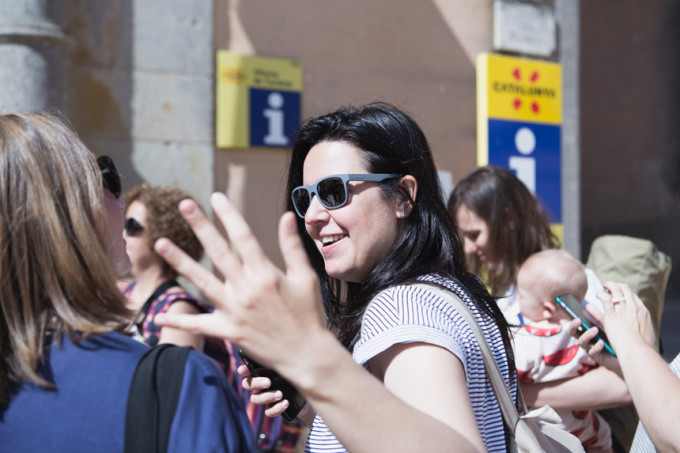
{"x":153,"y":398}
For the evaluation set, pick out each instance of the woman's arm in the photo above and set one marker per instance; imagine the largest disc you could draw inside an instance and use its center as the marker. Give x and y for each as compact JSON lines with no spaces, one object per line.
{"x":405,"y":414}
{"x":597,"y":389}
{"x":655,"y":391}
{"x":178,"y":336}
{"x":446,"y":395}
{"x":277,"y":319}
{"x":654,"y":388}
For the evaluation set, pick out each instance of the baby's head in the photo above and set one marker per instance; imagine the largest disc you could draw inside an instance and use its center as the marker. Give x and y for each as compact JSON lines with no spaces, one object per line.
{"x":545,"y":275}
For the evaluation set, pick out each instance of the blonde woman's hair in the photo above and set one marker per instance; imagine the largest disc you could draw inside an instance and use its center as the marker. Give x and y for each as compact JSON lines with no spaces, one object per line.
{"x":54,"y":272}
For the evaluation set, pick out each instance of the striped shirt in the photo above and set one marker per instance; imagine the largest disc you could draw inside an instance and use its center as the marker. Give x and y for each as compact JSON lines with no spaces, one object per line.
{"x":406,"y":314}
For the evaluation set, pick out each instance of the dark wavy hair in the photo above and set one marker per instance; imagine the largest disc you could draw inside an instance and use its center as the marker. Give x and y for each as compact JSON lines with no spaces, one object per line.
{"x":428,"y":241}
{"x":518,"y":225}
{"x":164,"y":220}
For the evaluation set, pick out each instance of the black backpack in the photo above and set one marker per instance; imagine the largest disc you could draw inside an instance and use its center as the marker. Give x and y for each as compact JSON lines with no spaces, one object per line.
{"x":153,"y":397}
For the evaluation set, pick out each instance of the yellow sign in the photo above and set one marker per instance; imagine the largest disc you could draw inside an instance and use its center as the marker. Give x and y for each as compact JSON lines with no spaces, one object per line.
{"x":519,"y":116}
{"x":258,"y":100}
{"x":519,"y":89}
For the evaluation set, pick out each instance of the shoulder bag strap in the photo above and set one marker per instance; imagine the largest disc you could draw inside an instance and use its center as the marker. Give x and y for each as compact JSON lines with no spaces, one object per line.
{"x":508,"y":408}
{"x":153,"y":398}
{"x":141,"y":316}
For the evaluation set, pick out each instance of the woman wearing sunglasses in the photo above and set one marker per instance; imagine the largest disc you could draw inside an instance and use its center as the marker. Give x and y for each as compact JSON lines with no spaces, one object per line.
{"x":371,"y":220}
{"x":152,"y":213}
{"x":67,"y":362}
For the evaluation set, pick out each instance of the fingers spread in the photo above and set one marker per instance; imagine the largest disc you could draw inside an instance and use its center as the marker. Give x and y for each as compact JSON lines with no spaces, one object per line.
{"x":242,"y":238}
{"x":292,"y":249}
{"x":200,"y":277}
{"x":210,"y":324}
{"x":214,"y":243}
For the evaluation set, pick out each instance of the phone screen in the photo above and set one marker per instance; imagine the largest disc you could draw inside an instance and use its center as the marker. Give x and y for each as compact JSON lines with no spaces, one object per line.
{"x":295,"y":400}
{"x":575,"y":309}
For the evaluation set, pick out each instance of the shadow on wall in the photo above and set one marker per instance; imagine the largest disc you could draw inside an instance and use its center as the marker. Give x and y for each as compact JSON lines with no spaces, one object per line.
{"x":630,"y":108}
{"x":100,"y":82}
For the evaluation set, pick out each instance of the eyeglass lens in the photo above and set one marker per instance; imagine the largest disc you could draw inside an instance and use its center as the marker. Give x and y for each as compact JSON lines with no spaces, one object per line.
{"x":133,"y":227}
{"x":331,"y":193}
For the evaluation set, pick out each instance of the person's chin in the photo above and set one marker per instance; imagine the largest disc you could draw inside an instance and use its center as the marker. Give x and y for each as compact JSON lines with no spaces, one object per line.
{"x":489,"y":265}
{"x":123,"y":267}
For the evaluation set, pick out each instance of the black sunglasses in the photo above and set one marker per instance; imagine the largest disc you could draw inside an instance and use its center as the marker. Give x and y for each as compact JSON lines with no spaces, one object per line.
{"x":132,"y":227}
{"x":332,"y":190}
{"x":110,"y":175}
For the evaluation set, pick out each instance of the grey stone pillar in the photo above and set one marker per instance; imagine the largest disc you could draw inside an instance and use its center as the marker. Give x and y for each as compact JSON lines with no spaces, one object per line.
{"x":32,"y":51}
{"x":567,"y":14}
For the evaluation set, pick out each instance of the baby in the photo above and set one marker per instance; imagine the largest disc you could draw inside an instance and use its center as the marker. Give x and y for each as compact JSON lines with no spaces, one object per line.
{"x":544,"y":350}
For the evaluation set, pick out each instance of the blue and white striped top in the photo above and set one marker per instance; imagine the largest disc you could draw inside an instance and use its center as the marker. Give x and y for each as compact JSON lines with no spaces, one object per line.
{"x":406,"y":314}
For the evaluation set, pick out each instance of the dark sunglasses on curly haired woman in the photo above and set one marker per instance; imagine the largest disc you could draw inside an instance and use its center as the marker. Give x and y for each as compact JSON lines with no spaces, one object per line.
{"x":132,"y":227}
{"x":110,"y":175}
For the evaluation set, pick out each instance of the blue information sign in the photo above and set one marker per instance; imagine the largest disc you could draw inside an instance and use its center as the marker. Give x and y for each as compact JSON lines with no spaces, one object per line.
{"x":274,"y":117}
{"x":532,"y":152}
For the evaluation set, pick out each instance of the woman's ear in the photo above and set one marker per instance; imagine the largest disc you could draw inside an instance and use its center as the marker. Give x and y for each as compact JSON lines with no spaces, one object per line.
{"x":405,"y":206}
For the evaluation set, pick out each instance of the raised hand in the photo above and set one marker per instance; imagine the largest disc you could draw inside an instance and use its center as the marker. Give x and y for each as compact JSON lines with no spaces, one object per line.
{"x":269,"y":313}
{"x":625,"y":315}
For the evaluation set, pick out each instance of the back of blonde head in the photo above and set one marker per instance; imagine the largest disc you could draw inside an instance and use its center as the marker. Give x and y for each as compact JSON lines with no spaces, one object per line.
{"x":54,"y":271}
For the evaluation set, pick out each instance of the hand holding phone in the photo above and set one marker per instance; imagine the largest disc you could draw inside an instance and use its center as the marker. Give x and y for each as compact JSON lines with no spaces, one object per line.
{"x":575,"y":309}
{"x":295,"y":400}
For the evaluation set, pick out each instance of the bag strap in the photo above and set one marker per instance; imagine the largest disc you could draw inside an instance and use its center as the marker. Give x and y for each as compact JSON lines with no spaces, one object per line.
{"x":156,"y":294}
{"x":153,"y":398}
{"x":144,"y":311}
{"x":508,"y":408}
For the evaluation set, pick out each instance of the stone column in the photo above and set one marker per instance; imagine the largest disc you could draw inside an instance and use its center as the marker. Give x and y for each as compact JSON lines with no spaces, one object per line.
{"x":32,"y":49}
{"x":567,"y":14}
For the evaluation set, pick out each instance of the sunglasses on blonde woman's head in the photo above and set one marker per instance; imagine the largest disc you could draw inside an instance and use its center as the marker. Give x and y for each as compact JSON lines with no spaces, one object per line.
{"x":133,"y":227}
{"x":110,"y":175}
{"x":332,"y":191}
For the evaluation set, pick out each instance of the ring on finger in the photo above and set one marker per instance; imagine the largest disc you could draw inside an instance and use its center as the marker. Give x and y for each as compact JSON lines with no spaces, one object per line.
{"x":618,"y":299}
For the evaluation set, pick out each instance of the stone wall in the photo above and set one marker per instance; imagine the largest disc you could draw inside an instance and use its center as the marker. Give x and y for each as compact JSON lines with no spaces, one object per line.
{"x":630,"y":108}
{"x":140,"y":87}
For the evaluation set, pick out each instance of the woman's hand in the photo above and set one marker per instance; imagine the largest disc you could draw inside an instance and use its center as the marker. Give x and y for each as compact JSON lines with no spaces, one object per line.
{"x":260,"y":395}
{"x":272,"y":315}
{"x":594,"y":348}
{"x":625,"y":316}
{"x":625,"y":319}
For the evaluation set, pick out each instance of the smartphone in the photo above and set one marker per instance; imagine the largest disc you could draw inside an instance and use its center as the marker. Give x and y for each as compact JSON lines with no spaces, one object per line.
{"x":295,"y":400}
{"x":575,"y":310}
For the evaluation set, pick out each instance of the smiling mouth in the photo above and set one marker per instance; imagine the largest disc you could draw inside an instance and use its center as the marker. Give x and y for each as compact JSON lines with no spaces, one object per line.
{"x":328,"y":240}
